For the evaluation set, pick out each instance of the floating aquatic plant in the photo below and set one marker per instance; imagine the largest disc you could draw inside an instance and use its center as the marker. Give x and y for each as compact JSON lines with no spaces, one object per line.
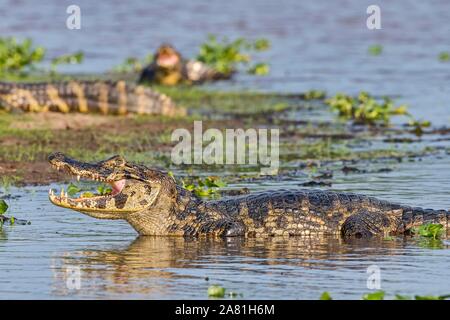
{"x":227,"y":56}
{"x":365,"y":109}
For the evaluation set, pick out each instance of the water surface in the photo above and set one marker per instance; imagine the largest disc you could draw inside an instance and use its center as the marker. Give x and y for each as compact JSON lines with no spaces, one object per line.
{"x":316,"y":45}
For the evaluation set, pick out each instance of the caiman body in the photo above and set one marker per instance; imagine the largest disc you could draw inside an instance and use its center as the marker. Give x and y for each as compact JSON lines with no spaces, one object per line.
{"x":105,"y":97}
{"x":151,"y":202}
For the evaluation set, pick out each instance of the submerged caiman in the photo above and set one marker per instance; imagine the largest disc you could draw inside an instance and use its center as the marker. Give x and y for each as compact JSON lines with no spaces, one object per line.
{"x":105,"y":97}
{"x":151,"y":202}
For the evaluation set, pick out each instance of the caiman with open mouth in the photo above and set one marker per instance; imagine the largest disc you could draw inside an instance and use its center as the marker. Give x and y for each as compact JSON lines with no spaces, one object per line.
{"x":153,"y":204}
{"x":169,"y":68}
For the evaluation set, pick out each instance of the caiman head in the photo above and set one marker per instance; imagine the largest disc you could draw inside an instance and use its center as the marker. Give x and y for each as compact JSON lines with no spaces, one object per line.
{"x":139,"y":195}
{"x":168,"y":63}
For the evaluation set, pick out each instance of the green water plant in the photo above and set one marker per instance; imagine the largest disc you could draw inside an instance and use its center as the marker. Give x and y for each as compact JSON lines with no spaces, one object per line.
{"x":23,"y":57}
{"x":418,"y":126}
{"x":227,"y":56}
{"x":365,"y":109}
{"x":102,"y":189}
{"x":73,"y":58}
{"x":430,"y":230}
{"x":444,"y":56}
{"x":3,"y":206}
{"x":204,"y":187}
{"x":313,"y":95}
{"x":18,"y":56}
{"x":380,"y":295}
{"x":133,"y":64}
{"x":216,"y":291}
{"x":375,"y":50}
{"x":377,"y":295}
{"x":325,"y":296}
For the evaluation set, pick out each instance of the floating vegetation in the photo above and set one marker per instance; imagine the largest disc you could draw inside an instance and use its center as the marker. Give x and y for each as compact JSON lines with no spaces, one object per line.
{"x":444,"y":56}
{"x":102,"y":189}
{"x":133,"y":64}
{"x":326,"y":296}
{"x":430,"y":230}
{"x":259,"y":69}
{"x":380,"y":295}
{"x":3,"y":206}
{"x":313,"y":95}
{"x":375,"y":50}
{"x":418,"y":126}
{"x":16,"y":56}
{"x":23,"y":57}
{"x":365,"y":109}
{"x":75,"y":58}
{"x":204,"y":188}
{"x":228,"y":56}
{"x":377,"y":295}
{"x":216,"y":291}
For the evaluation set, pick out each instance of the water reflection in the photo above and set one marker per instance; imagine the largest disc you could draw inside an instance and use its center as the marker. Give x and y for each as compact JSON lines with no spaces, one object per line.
{"x":156,"y":266}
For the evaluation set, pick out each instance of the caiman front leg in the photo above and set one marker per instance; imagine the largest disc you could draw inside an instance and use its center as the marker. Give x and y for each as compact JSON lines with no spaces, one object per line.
{"x":366,"y":224}
{"x":222,"y":228}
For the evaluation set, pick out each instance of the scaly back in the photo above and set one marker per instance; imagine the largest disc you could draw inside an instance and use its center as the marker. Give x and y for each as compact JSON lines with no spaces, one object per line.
{"x":104,"y":97}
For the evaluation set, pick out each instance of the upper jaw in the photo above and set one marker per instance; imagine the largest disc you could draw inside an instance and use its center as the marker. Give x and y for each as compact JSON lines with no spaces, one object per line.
{"x":80,"y":169}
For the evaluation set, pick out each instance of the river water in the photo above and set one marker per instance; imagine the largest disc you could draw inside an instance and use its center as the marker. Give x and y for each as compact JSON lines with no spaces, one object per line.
{"x":316,"y":45}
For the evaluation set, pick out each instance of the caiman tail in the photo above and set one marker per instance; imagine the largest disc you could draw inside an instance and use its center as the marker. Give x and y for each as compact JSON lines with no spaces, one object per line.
{"x":103,"y":97}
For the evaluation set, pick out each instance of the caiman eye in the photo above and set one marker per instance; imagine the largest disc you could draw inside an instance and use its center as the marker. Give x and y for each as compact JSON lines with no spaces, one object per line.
{"x":115,"y":161}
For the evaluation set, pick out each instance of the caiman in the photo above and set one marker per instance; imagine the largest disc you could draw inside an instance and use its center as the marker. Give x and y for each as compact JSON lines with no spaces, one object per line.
{"x":153,"y":204}
{"x":105,"y":97}
{"x":169,"y":68}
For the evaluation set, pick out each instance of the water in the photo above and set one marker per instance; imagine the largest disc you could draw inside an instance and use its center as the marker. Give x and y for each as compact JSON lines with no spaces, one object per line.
{"x":320,"y":45}
{"x":315,"y":44}
{"x":37,"y":260}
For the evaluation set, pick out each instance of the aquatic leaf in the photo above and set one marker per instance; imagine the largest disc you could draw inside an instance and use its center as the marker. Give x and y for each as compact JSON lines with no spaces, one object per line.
{"x":73,"y":189}
{"x":87,"y":195}
{"x":326,"y":296}
{"x":3,"y":206}
{"x":226,"y":56}
{"x":401,"y":297}
{"x":365,"y":108}
{"x":16,"y":56}
{"x":377,"y":295}
{"x":375,"y":50}
{"x":259,"y":69}
{"x":430,"y":230}
{"x":261,"y":44}
{"x":104,"y":189}
{"x":12,"y":220}
{"x":444,"y":56}
{"x":429,"y":297}
{"x":216,"y":291}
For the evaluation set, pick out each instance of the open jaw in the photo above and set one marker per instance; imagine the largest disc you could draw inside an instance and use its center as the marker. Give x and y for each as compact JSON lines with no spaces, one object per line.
{"x":87,"y":201}
{"x":167,"y":57}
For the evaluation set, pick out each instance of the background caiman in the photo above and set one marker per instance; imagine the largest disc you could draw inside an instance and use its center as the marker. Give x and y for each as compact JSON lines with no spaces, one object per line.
{"x":151,"y":202}
{"x":105,"y":97}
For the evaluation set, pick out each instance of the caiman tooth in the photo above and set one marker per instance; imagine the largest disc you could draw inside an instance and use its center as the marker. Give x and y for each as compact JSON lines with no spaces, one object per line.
{"x":78,"y":177}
